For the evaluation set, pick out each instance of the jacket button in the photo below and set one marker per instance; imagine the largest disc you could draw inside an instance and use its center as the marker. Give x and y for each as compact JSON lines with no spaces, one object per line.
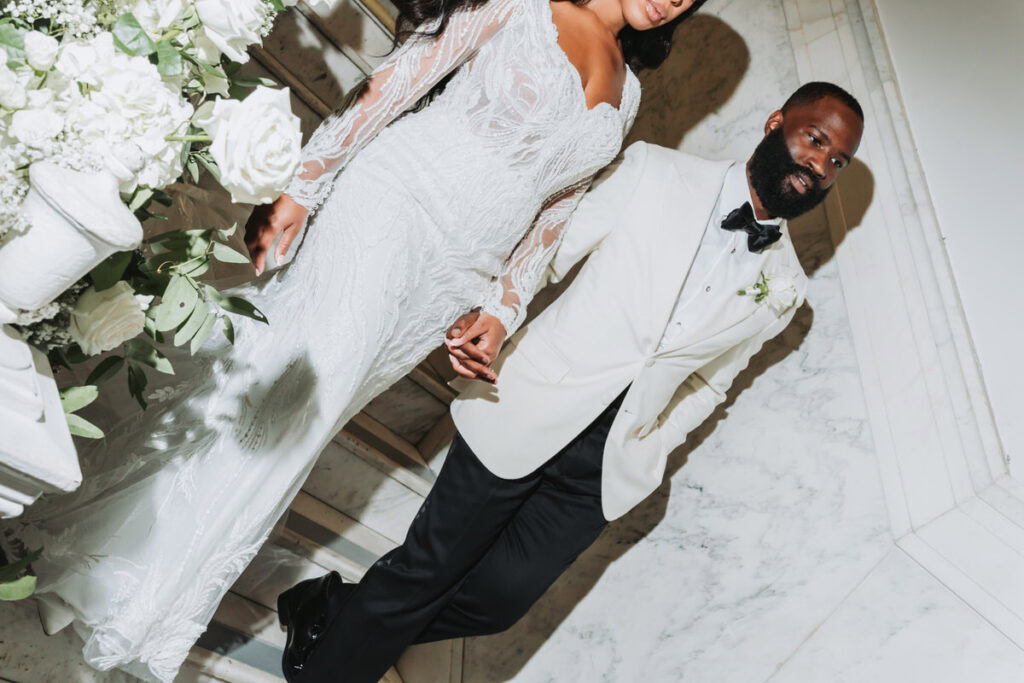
{"x":649,"y":363}
{"x":708,"y":288}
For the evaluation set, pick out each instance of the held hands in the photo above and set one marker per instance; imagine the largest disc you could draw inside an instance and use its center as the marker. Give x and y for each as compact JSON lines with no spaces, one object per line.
{"x":284,"y":216}
{"x":473,"y":343}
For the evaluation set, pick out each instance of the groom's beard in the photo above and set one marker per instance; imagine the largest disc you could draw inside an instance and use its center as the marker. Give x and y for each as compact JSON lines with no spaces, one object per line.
{"x":770,"y":170}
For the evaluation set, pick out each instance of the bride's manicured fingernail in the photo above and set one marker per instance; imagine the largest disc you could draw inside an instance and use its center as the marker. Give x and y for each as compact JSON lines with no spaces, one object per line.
{"x":456,"y":331}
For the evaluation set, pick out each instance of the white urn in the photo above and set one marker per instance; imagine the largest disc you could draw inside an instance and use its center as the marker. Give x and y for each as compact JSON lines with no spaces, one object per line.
{"x":75,"y":220}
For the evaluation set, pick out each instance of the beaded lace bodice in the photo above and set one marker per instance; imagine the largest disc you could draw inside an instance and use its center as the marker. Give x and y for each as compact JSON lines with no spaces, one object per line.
{"x":499,"y":159}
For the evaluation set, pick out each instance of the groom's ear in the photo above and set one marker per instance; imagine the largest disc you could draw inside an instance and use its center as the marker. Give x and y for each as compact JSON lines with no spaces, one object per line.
{"x":774,"y":121}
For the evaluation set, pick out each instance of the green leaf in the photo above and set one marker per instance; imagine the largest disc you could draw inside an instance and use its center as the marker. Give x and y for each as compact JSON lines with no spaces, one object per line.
{"x":79,"y":426}
{"x":110,"y":270}
{"x":12,"y":41}
{"x":140,"y":199}
{"x":223,"y":252}
{"x":76,"y":398}
{"x":144,"y":352}
{"x":199,"y":315}
{"x":176,"y":305}
{"x":236,"y":304}
{"x":253,"y":82}
{"x":226,"y":233}
{"x":193,"y":169}
{"x":229,"y":329}
{"x":277,"y":5}
{"x":203,"y":334}
{"x":137,"y":384}
{"x":106,"y":369}
{"x":131,"y":38}
{"x":162,"y":197}
{"x":19,"y":589}
{"x":195,"y":268}
{"x":168,"y":60}
{"x":209,"y":164}
{"x":198,"y":245}
{"x":9,"y":572}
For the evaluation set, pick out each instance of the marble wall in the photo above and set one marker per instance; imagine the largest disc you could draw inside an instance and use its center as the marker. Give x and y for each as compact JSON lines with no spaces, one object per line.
{"x":773,"y":510}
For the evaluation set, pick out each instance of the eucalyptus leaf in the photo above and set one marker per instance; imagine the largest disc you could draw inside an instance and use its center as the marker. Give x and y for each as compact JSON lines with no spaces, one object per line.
{"x":168,"y":60}
{"x":209,"y":164}
{"x":195,"y":268}
{"x":203,"y":334}
{"x":79,"y":426}
{"x":229,"y":329}
{"x":106,"y":369}
{"x":131,"y":38}
{"x":193,"y":169}
{"x":226,"y":254}
{"x":236,"y":304}
{"x":176,"y":304}
{"x":162,"y":197}
{"x":142,"y":351}
{"x":18,"y":589}
{"x":226,"y":233}
{"x":141,"y":197}
{"x":192,"y":325}
{"x":12,"y":41}
{"x":76,"y":398}
{"x":110,"y":270}
{"x":137,"y":384}
{"x":253,"y":82}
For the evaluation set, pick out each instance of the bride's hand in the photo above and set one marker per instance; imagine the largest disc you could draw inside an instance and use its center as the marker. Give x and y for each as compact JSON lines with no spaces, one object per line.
{"x":284,"y":216}
{"x":473,"y":343}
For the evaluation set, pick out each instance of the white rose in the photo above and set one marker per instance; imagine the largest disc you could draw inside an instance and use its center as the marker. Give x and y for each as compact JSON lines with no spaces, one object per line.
{"x":256,"y":143}
{"x":229,"y":28}
{"x":36,"y":127}
{"x":125,"y":160}
{"x":104,"y":320}
{"x":12,"y":90}
{"x":40,"y":50}
{"x":781,"y":290}
{"x":156,"y":15}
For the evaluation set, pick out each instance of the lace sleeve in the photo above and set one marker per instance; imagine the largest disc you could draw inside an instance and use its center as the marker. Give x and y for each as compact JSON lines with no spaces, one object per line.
{"x":524,"y":270}
{"x":397,"y":84}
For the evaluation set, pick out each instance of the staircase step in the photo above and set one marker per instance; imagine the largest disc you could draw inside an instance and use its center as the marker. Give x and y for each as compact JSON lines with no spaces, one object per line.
{"x":388,"y":452}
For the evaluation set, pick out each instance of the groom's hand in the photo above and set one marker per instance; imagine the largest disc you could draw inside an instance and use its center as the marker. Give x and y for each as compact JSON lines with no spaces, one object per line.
{"x":285,"y":216}
{"x":473,"y":343}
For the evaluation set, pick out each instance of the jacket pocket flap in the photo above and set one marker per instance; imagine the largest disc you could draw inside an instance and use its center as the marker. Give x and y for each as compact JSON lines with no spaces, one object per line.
{"x":544,"y":357}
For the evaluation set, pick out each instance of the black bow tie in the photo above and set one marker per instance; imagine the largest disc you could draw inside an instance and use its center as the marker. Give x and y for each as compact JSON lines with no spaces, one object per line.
{"x":759,"y":235}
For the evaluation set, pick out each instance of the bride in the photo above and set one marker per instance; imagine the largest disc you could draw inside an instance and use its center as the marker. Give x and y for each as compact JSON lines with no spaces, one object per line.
{"x":420,"y":216}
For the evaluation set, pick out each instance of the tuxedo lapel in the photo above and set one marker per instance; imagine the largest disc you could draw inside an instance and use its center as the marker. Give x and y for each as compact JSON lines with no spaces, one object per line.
{"x":679,"y":231}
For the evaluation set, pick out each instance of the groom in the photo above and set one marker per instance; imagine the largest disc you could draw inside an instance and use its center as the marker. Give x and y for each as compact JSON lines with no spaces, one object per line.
{"x":690,"y":271}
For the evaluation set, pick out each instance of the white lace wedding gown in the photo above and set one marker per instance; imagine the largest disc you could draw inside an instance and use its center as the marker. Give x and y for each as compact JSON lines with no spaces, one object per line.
{"x":458,"y":205}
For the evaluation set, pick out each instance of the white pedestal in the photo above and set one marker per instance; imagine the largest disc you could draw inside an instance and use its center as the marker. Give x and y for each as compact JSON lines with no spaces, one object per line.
{"x":36,"y":452}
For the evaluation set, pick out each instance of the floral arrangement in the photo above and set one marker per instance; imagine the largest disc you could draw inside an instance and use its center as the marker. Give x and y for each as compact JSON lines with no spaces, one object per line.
{"x":148,"y":90}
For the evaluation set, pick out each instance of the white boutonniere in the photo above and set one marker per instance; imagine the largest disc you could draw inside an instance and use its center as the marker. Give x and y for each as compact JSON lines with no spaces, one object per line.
{"x":777,"y":289}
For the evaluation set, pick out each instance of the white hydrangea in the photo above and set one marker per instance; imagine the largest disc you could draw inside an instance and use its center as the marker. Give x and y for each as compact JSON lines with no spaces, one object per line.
{"x":127,"y":103}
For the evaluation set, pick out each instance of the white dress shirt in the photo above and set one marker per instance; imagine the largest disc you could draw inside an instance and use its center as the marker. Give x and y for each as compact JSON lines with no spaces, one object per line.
{"x":718,"y":256}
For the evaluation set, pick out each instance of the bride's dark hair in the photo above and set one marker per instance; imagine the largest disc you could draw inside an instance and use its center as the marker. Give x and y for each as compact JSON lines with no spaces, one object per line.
{"x":640,"y":49}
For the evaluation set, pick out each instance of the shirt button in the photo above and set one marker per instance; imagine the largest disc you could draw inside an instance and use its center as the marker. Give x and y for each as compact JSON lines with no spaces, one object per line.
{"x":733,"y":250}
{"x":649,"y":363}
{"x":708,"y":288}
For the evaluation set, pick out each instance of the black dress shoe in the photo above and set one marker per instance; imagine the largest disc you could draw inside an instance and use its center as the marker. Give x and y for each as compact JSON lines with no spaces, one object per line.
{"x":305,"y":610}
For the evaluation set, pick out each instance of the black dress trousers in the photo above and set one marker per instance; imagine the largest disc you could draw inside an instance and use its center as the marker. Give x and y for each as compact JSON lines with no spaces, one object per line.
{"x":479,"y":553}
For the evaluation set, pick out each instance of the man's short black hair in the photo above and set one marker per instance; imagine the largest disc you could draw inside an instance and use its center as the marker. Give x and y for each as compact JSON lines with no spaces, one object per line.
{"x":808,"y":93}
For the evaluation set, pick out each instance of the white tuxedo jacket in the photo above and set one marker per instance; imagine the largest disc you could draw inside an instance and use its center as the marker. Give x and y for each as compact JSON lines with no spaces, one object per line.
{"x":641,"y":225}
